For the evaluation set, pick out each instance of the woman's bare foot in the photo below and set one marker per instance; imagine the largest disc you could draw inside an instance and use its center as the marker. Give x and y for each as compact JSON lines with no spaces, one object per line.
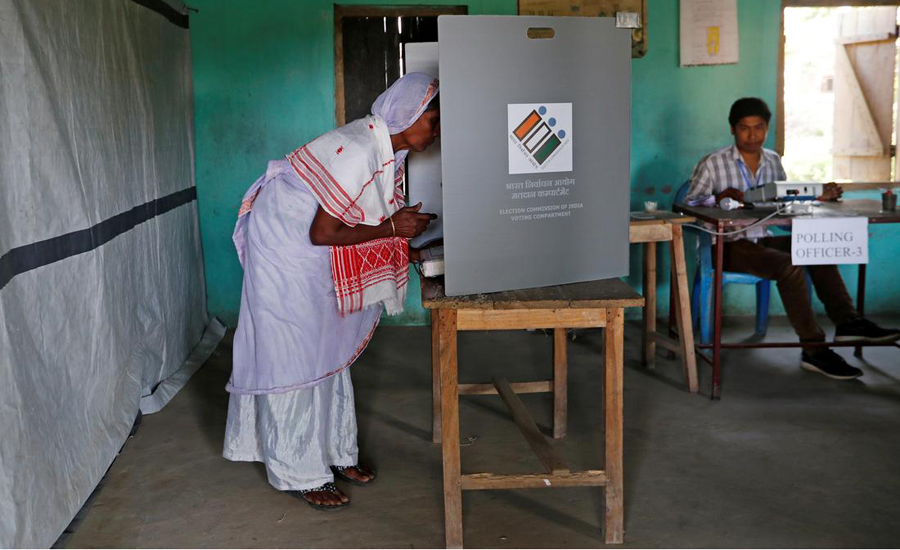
{"x":326,"y":497}
{"x":357,"y":475}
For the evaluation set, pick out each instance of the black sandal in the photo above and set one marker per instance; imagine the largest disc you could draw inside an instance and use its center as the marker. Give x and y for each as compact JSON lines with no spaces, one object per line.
{"x":339,"y":472}
{"x":327,"y":488}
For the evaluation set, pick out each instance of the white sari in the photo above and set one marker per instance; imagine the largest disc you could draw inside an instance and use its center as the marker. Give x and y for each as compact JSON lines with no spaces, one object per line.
{"x":303,"y":320}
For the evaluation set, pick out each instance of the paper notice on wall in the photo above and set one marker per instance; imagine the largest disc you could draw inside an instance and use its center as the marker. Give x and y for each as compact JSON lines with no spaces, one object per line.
{"x":709,"y":32}
{"x":830,"y":241}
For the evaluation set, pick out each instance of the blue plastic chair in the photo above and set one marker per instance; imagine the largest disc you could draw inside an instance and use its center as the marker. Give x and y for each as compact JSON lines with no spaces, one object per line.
{"x":702,"y":293}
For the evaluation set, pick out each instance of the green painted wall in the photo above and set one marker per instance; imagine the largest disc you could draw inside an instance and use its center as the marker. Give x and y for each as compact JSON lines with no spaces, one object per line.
{"x":264,"y":84}
{"x":681,"y":114}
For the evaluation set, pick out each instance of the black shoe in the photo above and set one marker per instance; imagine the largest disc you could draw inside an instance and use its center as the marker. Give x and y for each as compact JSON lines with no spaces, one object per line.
{"x":830,"y":364}
{"x":866,"y":331}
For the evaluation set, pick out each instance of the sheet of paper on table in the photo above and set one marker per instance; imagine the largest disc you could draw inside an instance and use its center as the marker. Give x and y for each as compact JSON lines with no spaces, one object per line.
{"x":708,"y":32}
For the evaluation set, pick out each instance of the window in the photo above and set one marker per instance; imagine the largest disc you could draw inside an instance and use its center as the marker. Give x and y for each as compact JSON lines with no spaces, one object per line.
{"x":839,"y":92}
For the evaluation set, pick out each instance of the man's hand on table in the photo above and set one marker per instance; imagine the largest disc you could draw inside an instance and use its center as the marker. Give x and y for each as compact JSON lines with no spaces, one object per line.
{"x":831,"y":192}
{"x":730,"y":193}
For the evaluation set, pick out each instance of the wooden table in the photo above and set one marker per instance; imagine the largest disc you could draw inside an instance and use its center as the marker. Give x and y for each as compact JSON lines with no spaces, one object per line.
{"x":722,"y":220}
{"x":650,"y":229}
{"x":583,"y":305}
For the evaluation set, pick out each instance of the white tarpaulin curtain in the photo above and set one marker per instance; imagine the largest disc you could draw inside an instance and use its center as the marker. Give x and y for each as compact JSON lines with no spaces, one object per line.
{"x":101,"y":286}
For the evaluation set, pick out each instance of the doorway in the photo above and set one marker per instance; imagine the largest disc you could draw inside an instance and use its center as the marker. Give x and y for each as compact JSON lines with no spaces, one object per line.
{"x":368,"y":50}
{"x":840,"y":93}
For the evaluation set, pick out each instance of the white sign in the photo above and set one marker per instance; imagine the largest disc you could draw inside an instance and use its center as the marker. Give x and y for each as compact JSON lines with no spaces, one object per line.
{"x":708,"y":32}
{"x":540,"y":137}
{"x":829,"y":241}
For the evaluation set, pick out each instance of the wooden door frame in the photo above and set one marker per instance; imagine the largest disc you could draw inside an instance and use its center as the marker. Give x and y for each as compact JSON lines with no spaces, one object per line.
{"x":779,"y":108}
{"x":341,"y":11}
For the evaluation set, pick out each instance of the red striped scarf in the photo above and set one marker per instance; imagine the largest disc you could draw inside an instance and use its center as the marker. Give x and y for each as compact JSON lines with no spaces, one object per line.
{"x":375,"y":271}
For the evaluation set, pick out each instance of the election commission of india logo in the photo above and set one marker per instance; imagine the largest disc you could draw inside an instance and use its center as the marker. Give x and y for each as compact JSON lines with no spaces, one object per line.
{"x":540,"y":137}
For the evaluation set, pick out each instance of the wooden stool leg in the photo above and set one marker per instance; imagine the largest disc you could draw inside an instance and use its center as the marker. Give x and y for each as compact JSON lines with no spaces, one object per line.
{"x":614,"y":520}
{"x":683,"y":309}
{"x":450,"y":428}
{"x":435,"y":378}
{"x":649,"y":286}
{"x":560,"y":383}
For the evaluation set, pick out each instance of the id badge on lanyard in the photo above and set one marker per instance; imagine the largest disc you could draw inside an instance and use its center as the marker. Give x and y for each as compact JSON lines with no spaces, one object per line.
{"x":746,"y":175}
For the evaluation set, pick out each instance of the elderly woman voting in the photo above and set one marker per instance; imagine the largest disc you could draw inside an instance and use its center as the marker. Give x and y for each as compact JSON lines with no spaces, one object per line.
{"x":323,"y":240}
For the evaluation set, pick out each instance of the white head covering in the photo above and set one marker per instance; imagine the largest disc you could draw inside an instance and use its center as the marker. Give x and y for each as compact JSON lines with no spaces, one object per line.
{"x":401,"y":105}
{"x":357,"y":178}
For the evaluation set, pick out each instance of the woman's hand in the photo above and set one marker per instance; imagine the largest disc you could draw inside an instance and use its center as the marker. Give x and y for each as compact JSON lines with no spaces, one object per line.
{"x":327,"y":230}
{"x":409,"y":222}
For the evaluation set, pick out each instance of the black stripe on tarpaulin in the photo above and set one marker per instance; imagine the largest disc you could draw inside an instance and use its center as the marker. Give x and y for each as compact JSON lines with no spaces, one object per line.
{"x":174,"y":16}
{"x":32,"y":256}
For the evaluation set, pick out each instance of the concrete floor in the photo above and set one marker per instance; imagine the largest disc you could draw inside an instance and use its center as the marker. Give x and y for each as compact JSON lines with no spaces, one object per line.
{"x":786,"y":459}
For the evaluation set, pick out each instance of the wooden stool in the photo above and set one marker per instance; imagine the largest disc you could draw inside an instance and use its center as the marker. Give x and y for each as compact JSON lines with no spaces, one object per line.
{"x":597,"y":304}
{"x":666,"y":227}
